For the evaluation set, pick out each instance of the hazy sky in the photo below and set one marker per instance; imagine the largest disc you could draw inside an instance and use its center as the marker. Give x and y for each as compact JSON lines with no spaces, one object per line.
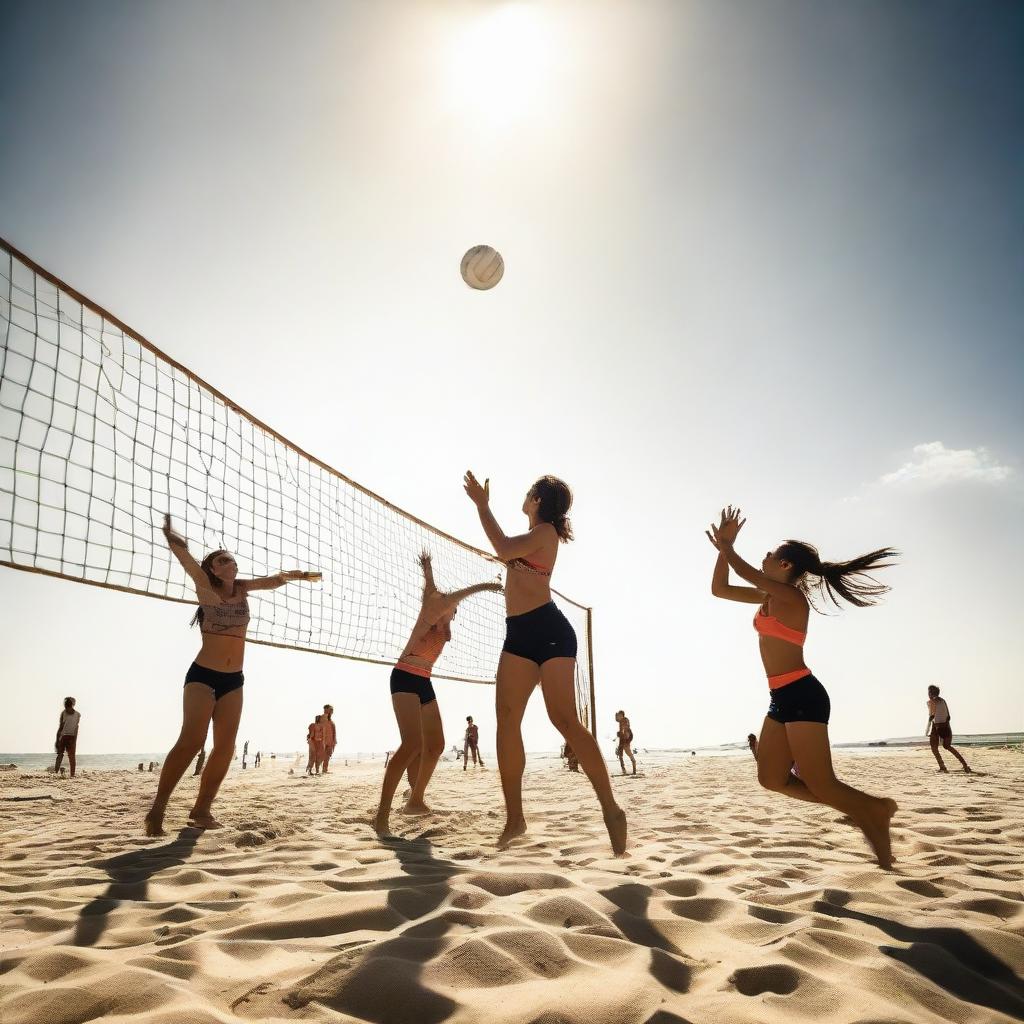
{"x":766,"y":253}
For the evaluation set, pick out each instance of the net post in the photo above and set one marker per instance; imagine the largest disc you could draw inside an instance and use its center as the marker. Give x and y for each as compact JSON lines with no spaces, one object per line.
{"x":590,"y":665}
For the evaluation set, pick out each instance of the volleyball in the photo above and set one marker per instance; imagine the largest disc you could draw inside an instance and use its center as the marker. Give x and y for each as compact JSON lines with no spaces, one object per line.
{"x":482,"y":267}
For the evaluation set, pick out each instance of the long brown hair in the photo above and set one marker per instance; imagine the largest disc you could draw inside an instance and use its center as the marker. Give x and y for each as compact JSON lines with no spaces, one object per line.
{"x":555,"y":501}
{"x":849,"y":580}
{"x":207,"y":566}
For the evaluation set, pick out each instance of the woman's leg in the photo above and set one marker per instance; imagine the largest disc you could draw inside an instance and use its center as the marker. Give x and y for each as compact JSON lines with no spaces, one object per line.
{"x":558,"y":684}
{"x":774,"y":761}
{"x":517,"y":679}
{"x":312,"y":757}
{"x":226,"y":714}
{"x":197,"y":708}
{"x":432,"y":733}
{"x":60,"y":755}
{"x":947,"y":743}
{"x":629,"y":754}
{"x":933,"y":739}
{"x":74,"y":740}
{"x":809,"y":743}
{"x":407,"y":712}
{"x":618,"y":754}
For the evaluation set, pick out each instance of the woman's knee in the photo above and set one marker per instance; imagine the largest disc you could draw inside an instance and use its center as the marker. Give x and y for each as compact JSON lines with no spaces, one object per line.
{"x":774,"y":781}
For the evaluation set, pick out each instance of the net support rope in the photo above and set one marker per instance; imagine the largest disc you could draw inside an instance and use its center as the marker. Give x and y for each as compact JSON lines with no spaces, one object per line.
{"x":101,"y":433}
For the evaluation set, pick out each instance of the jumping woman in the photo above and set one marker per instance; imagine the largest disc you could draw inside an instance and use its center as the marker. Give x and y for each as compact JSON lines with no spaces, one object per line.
{"x":414,"y":700}
{"x":540,"y":646}
{"x":796,"y":728}
{"x":213,"y":683}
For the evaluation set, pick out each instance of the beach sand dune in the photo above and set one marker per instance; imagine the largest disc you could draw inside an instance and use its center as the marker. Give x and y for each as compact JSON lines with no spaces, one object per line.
{"x":735,"y":905}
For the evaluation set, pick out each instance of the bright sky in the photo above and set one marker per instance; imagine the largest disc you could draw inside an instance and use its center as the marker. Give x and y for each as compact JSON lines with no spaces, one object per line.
{"x":766,"y":254}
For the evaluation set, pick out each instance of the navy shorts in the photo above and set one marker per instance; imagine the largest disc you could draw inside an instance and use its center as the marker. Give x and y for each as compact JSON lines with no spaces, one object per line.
{"x":409,"y":682}
{"x":220,"y":682}
{"x":804,"y":700}
{"x":540,"y":635}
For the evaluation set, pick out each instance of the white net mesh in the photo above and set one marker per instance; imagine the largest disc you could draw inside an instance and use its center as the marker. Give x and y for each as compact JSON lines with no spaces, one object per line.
{"x":100,"y":434}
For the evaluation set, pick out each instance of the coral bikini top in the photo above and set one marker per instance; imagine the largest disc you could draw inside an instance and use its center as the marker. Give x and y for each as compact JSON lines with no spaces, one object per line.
{"x":768,"y":625}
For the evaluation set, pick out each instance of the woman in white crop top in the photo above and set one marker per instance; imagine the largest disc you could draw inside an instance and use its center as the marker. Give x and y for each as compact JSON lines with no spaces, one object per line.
{"x":213,"y":683}
{"x":67,"y":735}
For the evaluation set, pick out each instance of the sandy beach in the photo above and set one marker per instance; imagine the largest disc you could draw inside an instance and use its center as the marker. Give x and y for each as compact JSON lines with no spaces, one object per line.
{"x":734,"y":905}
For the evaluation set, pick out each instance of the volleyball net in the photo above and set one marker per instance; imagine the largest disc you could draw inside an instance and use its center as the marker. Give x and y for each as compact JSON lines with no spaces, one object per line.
{"x":101,"y":434}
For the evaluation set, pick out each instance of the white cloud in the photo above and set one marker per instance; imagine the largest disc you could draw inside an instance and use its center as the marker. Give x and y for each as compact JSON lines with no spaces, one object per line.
{"x":934,"y":464}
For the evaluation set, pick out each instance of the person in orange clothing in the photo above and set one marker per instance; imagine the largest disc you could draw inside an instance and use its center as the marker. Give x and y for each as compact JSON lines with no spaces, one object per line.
{"x":796,"y":726}
{"x":414,"y":700}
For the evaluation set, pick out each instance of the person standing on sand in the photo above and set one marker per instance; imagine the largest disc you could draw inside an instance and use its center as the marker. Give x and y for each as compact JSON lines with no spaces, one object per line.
{"x":314,"y":739}
{"x":796,"y":726}
{"x":213,"y":682}
{"x":625,"y":741}
{"x":413,"y":699}
{"x":471,"y":744}
{"x":330,"y":735}
{"x":67,"y":735}
{"x":540,"y":646}
{"x":752,"y":743}
{"x":939,"y":728}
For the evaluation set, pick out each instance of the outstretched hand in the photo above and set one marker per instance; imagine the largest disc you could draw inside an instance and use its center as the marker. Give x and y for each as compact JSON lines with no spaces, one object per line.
{"x":173,"y":537}
{"x":479,"y":495}
{"x":728,"y":528}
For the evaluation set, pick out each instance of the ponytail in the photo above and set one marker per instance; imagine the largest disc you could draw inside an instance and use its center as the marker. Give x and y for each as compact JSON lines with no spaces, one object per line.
{"x":850,"y":580}
{"x":207,"y":566}
{"x":555,"y":499}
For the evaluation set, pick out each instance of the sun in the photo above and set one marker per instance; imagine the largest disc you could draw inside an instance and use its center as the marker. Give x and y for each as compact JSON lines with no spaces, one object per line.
{"x":499,"y":63}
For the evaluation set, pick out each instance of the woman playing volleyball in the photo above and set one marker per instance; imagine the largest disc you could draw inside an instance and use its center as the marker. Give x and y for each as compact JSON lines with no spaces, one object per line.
{"x":414,"y":700}
{"x":213,"y":683}
{"x":796,"y":728}
{"x":540,"y":646}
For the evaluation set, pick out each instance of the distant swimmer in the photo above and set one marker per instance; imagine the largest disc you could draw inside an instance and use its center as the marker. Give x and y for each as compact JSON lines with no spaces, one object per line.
{"x":625,"y":738}
{"x":471,"y":744}
{"x":67,"y":735}
{"x":939,"y":728}
{"x":413,"y":698}
{"x":540,"y":646}
{"x":796,"y":727}
{"x":213,"y":683}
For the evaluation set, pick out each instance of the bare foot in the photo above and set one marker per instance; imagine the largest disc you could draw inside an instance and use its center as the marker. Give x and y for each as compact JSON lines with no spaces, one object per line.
{"x":876,"y":830}
{"x":943,"y":768}
{"x":967,"y":771}
{"x":416,"y":810}
{"x":513,"y":830}
{"x":203,"y":819}
{"x":154,"y":823}
{"x":381,"y":825}
{"x":615,"y":822}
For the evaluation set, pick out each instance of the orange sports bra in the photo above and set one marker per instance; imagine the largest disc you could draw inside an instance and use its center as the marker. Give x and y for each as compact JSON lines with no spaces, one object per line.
{"x":768,"y":625}
{"x":427,"y":649}
{"x":525,"y":565}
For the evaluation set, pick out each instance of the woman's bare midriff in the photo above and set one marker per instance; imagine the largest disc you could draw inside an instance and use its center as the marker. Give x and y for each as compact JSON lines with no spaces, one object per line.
{"x":222,"y":652}
{"x":779,"y":656}
{"x":525,"y":591}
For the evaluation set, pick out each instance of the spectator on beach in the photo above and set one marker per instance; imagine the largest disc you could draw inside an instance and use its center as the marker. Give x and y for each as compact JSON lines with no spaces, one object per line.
{"x":752,"y":743}
{"x":200,"y":760}
{"x":330,"y":735}
{"x":315,"y":740}
{"x":571,"y":761}
{"x":67,"y":735}
{"x":938,"y":729}
{"x":625,"y":738}
{"x":471,"y":744}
